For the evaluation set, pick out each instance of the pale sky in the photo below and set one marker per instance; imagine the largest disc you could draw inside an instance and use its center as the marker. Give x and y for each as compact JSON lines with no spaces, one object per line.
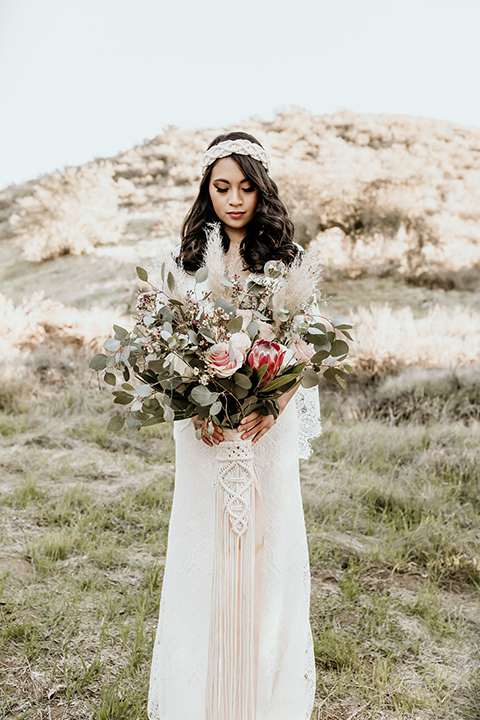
{"x":82,"y":79}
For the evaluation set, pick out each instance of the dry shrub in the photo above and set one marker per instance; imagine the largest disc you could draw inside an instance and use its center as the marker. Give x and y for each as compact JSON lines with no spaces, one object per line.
{"x":392,"y":339}
{"x":40,"y":321}
{"x":69,"y":211}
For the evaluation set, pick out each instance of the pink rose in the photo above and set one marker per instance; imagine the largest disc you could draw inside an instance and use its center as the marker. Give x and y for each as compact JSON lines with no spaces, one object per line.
{"x":267,"y":353}
{"x":301,"y":350}
{"x":241,"y":342}
{"x":218,"y":359}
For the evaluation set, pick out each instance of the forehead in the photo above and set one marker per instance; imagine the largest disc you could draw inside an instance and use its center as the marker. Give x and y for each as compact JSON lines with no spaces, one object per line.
{"x":227,"y":169}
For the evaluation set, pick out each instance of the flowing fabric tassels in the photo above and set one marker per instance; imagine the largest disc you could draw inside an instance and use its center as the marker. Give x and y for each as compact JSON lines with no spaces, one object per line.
{"x":230,"y":692}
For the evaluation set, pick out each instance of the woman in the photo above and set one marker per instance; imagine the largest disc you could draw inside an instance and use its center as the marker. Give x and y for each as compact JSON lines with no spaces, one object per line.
{"x":237,"y":191}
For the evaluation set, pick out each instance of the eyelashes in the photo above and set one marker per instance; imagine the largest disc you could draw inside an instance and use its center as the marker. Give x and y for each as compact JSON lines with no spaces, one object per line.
{"x":247,"y":190}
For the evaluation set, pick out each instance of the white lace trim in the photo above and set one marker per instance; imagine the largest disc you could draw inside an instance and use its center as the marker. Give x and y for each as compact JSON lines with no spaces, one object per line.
{"x":307,"y":404}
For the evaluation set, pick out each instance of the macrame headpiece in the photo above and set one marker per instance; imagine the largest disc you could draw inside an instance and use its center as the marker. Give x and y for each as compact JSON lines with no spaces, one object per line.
{"x":240,"y":147}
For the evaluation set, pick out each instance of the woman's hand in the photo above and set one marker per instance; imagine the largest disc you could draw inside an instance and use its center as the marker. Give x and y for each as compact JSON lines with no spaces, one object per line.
{"x":256,"y":425}
{"x":217,"y":436}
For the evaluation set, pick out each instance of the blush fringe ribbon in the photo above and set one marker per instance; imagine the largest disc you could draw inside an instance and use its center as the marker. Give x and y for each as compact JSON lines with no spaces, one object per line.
{"x":233,"y":639}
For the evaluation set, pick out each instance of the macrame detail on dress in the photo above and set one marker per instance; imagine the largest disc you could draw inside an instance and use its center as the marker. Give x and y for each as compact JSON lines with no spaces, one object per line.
{"x":231,"y":671}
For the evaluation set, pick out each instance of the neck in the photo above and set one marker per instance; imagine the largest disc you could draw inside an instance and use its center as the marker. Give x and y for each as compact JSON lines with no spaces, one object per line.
{"x":235,"y":236}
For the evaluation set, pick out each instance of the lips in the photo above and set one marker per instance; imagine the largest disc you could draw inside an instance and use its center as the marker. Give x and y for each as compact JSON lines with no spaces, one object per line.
{"x":236,"y":214}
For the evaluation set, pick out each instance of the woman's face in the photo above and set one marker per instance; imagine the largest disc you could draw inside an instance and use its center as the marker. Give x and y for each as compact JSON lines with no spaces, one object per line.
{"x":233,"y":196}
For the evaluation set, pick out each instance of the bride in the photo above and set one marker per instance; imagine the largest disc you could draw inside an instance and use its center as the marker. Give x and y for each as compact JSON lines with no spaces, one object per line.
{"x":238,"y":195}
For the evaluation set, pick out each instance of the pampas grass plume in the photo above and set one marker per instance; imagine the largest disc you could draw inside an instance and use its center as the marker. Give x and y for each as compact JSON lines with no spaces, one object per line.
{"x":301,"y":281}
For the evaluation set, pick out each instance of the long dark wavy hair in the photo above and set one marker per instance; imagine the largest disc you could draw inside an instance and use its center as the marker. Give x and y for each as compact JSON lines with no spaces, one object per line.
{"x":269,"y":235}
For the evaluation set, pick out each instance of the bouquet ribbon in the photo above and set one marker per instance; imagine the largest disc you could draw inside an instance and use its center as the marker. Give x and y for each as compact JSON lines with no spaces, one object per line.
{"x":236,"y":583}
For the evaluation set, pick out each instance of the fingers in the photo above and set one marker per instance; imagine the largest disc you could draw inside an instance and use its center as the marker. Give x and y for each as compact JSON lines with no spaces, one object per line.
{"x":208,"y":439}
{"x":250,"y":418}
{"x":258,"y":428}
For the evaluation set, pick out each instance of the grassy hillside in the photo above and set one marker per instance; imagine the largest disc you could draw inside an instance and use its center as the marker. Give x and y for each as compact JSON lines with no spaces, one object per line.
{"x":391,"y":493}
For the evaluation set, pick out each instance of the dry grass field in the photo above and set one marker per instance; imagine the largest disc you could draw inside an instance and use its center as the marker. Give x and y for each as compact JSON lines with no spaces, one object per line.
{"x":391,"y":493}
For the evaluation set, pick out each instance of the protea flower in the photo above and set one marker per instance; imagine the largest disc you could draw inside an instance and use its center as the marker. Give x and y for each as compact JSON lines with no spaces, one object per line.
{"x":266,"y":353}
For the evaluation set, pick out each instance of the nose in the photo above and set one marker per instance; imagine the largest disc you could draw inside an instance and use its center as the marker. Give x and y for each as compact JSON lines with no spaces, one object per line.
{"x":235,"y":197}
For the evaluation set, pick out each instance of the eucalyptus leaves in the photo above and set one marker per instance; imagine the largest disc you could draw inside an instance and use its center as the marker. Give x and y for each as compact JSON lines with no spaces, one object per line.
{"x":220,"y":356}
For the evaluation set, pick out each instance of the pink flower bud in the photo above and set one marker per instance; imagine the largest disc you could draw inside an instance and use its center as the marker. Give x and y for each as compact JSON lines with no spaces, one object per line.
{"x":267,"y":353}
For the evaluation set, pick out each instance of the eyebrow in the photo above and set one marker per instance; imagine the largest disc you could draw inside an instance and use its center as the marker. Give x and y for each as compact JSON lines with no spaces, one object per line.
{"x":228,"y":181}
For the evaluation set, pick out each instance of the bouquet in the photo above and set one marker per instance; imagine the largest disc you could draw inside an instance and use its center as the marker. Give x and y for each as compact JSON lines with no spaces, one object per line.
{"x":224,"y":348}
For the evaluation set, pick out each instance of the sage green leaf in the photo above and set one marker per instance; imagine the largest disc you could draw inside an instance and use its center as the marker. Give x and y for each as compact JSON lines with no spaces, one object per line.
{"x":235,"y":324}
{"x":216,"y":407}
{"x":120,"y":332}
{"x":252,"y":329}
{"x":155,"y":365}
{"x":168,"y":413}
{"x":339,"y":349}
{"x":154,"y":420}
{"x":225,"y":305}
{"x":201,"y":275}
{"x":260,"y":315}
{"x":242,"y":380}
{"x":201,"y":395}
{"x":326,"y":346}
{"x":239,"y":392}
{"x":261,"y":372}
{"x":112,"y":344}
{"x":170,"y":281}
{"x":341,"y":323}
{"x":319,"y":356}
{"x":132,"y":421}
{"x":310,"y":378}
{"x":98,"y":362}
{"x":122,"y":398}
{"x":277,"y":383}
{"x":331,"y":375}
{"x":116,"y":422}
{"x":296,"y":369}
{"x":144,"y":391}
{"x":110,"y":378}
{"x":142,"y":273}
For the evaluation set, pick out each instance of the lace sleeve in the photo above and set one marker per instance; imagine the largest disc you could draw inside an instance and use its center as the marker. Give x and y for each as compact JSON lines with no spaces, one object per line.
{"x":307,"y":403}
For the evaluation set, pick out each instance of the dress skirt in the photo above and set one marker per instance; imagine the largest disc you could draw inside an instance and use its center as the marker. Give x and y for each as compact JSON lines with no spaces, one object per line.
{"x":286,"y":669}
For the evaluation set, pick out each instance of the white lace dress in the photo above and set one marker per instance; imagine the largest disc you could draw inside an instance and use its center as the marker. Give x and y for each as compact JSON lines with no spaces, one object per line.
{"x":286,"y":669}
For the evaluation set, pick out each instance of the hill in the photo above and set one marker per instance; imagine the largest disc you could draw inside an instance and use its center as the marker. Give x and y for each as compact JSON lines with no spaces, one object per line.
{"x":381,"y":193}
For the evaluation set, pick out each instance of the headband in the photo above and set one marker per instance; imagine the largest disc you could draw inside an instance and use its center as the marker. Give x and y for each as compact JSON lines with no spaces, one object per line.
{"x":239,"y":147}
